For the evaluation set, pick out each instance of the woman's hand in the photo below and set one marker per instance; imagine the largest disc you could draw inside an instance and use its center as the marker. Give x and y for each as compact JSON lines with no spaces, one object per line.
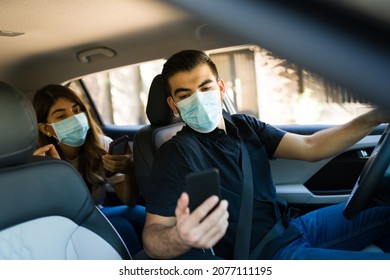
{"x":117,"y":163}
{"x":48,"y":150}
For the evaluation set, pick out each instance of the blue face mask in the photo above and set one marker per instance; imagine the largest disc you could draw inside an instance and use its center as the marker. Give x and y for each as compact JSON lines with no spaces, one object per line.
{"x":202,"y":111}
{"x":72,"y":131}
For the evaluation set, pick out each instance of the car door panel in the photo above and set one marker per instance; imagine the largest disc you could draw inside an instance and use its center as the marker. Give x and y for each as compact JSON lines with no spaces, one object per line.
{"x":315,"y":184}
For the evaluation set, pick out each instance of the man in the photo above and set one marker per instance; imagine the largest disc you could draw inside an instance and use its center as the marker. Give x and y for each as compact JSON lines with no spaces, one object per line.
{"x":211,"y":138}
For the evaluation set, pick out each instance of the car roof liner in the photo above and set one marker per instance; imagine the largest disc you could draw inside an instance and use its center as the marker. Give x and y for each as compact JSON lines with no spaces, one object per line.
{"x":334,"y":42}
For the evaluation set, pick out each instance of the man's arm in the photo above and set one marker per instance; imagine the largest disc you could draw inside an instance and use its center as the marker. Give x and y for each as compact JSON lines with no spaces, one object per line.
{"x":329,"y":142}
{"x":169,"y":237}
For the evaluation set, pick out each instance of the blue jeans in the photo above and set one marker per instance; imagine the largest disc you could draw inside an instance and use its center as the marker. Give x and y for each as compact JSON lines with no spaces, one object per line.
{"x":129,"y":223}
{"x":327,"y":235}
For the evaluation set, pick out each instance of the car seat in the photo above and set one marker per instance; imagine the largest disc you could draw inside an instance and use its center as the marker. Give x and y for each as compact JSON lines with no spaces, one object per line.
{"x":46,"y":208}
{"x":163,"y":126}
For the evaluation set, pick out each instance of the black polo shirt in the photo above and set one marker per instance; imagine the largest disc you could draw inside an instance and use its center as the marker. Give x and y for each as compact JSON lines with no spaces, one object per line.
{"x":191,"y":151}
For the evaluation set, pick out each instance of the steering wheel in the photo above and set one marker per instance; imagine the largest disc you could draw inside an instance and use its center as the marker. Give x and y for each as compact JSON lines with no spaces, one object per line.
{"x":371,"y":176}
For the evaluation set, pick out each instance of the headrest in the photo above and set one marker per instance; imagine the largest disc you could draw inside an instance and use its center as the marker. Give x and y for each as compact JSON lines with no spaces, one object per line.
{"x":18,"y":126}
{"x":157,"y":108}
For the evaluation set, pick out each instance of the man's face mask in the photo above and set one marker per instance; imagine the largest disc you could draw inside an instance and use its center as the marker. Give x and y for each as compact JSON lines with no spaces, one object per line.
{"x":202,"y":111}
{"x":73,"y":130}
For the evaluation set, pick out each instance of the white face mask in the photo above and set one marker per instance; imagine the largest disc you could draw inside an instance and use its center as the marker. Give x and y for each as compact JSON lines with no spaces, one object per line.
{"x":202,"y":111}
{"x":72,"y":131}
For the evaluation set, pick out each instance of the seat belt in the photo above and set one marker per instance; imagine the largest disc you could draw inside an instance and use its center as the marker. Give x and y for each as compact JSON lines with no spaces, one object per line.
{"x":244,"y":226}
{"x":275,"y":231}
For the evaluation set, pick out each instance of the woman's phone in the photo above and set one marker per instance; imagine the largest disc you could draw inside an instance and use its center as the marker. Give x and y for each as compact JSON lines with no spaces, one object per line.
{"x":201,"y":185}
{"x":117,"y":147}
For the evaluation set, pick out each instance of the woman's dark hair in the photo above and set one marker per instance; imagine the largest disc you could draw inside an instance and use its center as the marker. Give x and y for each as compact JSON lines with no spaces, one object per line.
{"x":185,"y":61}
{"x":90,"y":166}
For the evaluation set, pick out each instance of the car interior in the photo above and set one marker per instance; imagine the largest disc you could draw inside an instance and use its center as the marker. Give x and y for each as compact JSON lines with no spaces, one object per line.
{"x":147,"y":140}
{"x":71,"y":42}
{"x":45,"y":216}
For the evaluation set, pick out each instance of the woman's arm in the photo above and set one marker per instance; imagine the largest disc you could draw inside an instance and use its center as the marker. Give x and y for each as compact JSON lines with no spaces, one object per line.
{"x":124,"y":180}
{"x":126,"y":187}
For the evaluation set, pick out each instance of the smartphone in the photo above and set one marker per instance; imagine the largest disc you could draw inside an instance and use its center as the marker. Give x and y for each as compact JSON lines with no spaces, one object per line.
{"x":201,"y":185}
{"x":117,"y":147}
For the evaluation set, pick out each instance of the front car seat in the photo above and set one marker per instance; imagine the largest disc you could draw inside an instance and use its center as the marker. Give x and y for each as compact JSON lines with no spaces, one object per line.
{"x":46,"y":209}
{"x":163,"y":126}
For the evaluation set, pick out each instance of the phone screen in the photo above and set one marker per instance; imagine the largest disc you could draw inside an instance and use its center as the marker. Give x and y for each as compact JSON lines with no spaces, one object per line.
{"x":201,"y":185}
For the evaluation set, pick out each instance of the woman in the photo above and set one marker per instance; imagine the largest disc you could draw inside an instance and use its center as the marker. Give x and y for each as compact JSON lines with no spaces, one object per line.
{"x":68,"y":132}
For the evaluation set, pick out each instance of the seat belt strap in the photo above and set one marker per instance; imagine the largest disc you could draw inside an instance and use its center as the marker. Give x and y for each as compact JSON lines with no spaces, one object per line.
{"x":244,"y":226}
{"x":275,"y":231}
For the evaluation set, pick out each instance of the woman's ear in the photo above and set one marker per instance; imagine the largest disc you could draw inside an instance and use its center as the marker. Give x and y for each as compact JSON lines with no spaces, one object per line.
{"x":45,"y":129}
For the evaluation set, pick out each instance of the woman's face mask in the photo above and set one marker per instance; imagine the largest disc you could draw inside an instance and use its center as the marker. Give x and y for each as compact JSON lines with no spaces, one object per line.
{"x":72,"y":131}
{"x":202,"y":111}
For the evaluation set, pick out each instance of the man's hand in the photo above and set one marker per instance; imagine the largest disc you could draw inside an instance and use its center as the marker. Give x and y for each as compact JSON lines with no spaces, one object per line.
{"x":169,"y":237}
{"x":198,"y":229}
{"x":377,"y":116}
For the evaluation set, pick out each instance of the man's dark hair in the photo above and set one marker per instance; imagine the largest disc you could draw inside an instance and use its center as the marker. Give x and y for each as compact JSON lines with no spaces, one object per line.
{"x":185,"y":61}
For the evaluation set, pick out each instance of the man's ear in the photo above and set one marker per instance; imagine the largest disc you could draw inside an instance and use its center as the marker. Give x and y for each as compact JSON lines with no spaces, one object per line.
{"x":172,"y":105}
{"x":222,"y":88}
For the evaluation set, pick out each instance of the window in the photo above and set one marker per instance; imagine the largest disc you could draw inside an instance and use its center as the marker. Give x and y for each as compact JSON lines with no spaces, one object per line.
{"x":120,"y":95}
{"x":259,"y":83}
{"x":280,"y":92}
